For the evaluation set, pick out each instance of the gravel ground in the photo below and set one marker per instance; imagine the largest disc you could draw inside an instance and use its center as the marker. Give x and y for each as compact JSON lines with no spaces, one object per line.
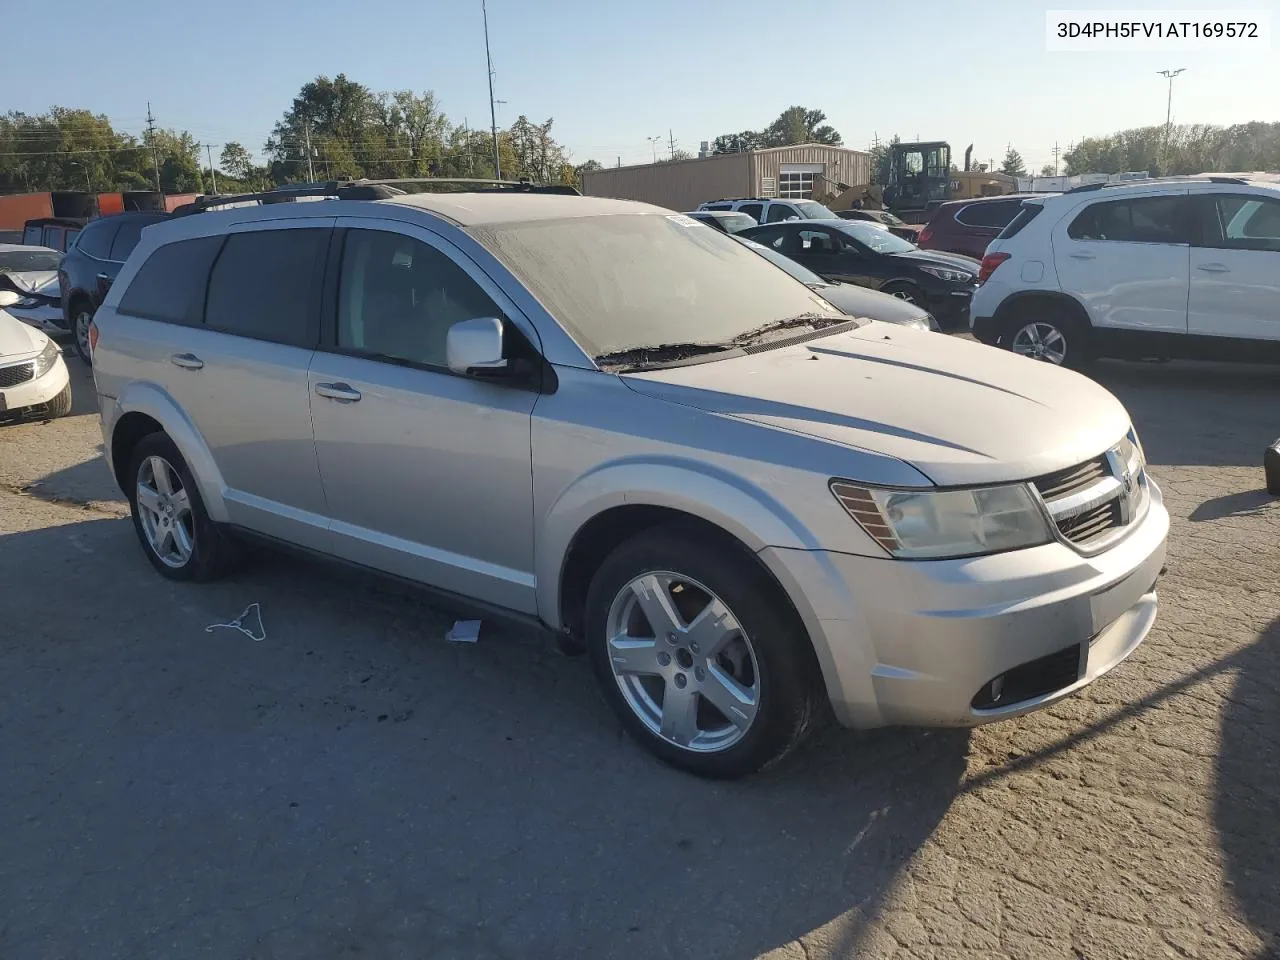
{"x":354,"y":786}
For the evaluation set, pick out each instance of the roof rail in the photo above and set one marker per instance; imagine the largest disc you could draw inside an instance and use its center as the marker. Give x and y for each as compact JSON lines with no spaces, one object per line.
{"x":1086,"y":187}
{"x":371,"y":190}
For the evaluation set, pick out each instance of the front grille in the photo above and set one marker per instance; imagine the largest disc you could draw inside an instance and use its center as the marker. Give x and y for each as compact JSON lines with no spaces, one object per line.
{"x":1093,"y":501}
{"x":16,"y":374}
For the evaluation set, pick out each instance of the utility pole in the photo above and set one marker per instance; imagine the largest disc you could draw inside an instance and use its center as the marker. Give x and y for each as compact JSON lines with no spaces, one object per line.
{"x":671,"y":140}
{"x":619,"y":162}
{"x":151,"y":135}
{"x":466,"y":139}
{"x":212,"y":172}
{"x":1168,"y":113}
{"x":311,"y":173}
{"x":493,"y":109}
{"x":1055,"y":157}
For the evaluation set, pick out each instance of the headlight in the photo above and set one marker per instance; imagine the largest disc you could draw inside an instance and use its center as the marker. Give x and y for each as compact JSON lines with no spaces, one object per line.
{"x":48,"y":357}
{"x":918,"y":323}
{"x":953,"y":276}
{"x":936,"y":524}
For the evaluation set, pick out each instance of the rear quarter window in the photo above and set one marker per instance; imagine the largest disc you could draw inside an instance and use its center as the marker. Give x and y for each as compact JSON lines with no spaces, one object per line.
{"x":1027,"y":213}
{"x":991,"y":213}
{"x":170,"y":286}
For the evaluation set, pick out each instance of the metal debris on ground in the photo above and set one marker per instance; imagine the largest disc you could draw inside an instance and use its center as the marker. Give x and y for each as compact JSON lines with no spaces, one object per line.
{"x":249,"y":623}
{"x":464,"y":631}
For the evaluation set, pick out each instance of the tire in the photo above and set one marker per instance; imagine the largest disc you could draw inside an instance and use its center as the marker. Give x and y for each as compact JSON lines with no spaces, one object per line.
{"x":81,"y":315}
{"x":765,"y":669}
{"x":1051,"y":335}
{"x":197,"y":549}
{"x":904,"y":291}
{"x":60,"y":405}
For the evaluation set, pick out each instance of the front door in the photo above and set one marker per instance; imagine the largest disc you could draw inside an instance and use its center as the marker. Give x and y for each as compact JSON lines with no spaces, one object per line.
{"x":833,"y":256}
{"x":1127,"y":261}
{"x":427,"y":473}
{"x":1235,"y":268}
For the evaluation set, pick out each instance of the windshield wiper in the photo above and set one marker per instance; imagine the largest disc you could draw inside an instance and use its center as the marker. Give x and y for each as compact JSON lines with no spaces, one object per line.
{"x":815,"y":321}
{"x":655,"y":355}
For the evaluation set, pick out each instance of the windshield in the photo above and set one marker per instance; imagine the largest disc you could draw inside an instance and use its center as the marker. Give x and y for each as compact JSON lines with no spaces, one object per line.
{"x":640,"y":280}
{"x":814,"y":211}
{"x":876,"y":237}
{"x":737,"y":221}
{"x":18,"y":261}
{"x":803,"y":274}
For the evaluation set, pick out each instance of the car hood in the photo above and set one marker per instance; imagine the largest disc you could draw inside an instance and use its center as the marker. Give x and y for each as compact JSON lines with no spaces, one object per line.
{"x":958,"y":411}
{"x":29,"y":281}
{"x":861,"y":302}
{"x":16,"y":338}
{"x":955,"y":261}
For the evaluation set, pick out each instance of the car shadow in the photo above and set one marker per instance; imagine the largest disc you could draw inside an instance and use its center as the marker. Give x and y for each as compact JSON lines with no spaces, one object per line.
{"x":351,"y":781}
{"x":1249,"y":503}
{"x":1247,"y":805}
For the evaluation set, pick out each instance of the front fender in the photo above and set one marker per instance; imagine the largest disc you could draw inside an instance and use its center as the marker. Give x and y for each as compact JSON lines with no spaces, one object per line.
{"x":730,"y":502}
{"x":152,"y":400}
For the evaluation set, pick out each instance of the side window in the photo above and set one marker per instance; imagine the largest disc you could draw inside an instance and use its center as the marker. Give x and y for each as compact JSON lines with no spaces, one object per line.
{"x":994,"y":213}
{"x":780,"y":211}
{"x":1141,"y":220}
{"x":752,"y":209}
{"x":818,"y":242}
{"x":31,"y":236}
{"x":398,"y":297}
{"x":170,"y":286}
{"x":95,"y":239}
{"x":54,"y":237}
{"x":1249,"y":223}
{"x":264,"y":285}
{"x":718,"y":206}
{"x":127,"y":238}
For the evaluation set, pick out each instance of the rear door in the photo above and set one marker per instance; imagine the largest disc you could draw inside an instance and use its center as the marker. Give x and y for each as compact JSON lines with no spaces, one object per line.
{"x":978,"y":224}
{"x":236,"y":363}
{"x":1127,"y":261}
{"x":1235,"y":267}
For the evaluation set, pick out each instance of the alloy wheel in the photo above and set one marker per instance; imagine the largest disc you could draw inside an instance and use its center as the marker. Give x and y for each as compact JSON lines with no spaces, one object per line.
{"x":685,"y":666}
{"x":164,"y":508}
{"x":1040,"y":341}
{"x":83,"y":319}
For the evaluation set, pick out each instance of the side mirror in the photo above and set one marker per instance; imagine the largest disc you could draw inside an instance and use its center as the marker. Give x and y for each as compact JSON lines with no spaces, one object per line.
{"x":474,"y":348}
{"x":8,"y":298}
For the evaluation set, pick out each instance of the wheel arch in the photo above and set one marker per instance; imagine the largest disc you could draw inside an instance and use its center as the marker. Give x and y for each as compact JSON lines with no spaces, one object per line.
{"x":1016,"y":303}
{"x":145,"y":409}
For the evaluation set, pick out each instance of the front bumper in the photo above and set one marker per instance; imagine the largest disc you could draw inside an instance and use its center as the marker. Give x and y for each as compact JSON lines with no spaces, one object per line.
{"x":950,"y":307}
{"x":17,"y":401}
{"x":920,"y":643}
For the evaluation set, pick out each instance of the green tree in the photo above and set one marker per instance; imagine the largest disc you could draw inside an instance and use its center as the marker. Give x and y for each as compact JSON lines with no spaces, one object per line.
{"x":800,"y":125}
{"x":1013,"y":165}
{"x":881,"y":159}
{"x":737,"y":142}
{"x":1047,"y":170}
{"x":235,"y":161}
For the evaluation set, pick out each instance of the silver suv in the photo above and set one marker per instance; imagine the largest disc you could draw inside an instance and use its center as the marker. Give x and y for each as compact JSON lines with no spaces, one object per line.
{"x":640,"y":434}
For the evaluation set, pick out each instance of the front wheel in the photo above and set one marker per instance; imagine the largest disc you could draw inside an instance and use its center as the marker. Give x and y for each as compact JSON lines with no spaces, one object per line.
{"x":903,"y":291}
{"x":699,"y":654}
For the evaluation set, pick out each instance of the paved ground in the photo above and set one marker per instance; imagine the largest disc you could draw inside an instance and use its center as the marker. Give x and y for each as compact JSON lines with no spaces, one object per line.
{"x":354,"y":786}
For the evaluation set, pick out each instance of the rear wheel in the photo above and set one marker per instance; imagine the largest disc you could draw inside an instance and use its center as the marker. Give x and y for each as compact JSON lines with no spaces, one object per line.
{"x":699,"y":654}
{"x":1050,"y":335}
{"x":904,"y":291}
{"x":81,"y":317}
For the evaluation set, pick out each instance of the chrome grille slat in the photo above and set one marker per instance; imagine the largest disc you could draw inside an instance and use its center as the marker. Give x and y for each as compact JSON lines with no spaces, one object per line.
{"x":1092,"y":502}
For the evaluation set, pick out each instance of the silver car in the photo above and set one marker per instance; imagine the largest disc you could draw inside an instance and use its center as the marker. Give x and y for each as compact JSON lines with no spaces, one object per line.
{"x":633,"y":431}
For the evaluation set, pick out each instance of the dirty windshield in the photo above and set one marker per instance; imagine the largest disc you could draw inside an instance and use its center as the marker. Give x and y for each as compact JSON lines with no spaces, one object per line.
{"x":641,"y":280}
{"x":20,"y":261}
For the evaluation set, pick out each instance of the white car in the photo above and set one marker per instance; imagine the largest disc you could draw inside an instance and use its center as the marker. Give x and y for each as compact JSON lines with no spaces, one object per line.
{"x":33,"y":378}
{"x":39,"y":303}
{"x":1177,"y":268}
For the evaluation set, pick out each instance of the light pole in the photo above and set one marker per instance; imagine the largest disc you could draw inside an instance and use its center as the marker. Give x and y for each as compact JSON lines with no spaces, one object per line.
{"x":493,"y":110}
{"x":1168,"y":112}
{"x":653,"y":142}
{"x":88,"y":187}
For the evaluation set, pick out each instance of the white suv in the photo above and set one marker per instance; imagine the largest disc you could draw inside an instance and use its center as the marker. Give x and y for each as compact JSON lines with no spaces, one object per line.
{"x":1176,"y":268}
{"x":772,"y":211}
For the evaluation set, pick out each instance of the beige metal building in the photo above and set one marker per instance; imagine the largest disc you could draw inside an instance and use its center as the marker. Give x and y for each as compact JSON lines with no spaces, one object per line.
{"x":783,"y":172}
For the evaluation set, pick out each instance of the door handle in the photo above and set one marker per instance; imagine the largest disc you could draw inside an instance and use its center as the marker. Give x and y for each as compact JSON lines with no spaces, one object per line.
{"x":1082,"y":256}
{"x":187,"y":361}
{"x":1214,"y":268}
{"x":342,"y":392}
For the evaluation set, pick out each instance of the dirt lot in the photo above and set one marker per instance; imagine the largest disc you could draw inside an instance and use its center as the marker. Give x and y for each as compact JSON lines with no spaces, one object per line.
{"x":354,"y":786}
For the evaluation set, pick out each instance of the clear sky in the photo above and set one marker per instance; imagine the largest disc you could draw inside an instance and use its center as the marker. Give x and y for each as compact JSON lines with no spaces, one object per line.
{"x":615,"y":72}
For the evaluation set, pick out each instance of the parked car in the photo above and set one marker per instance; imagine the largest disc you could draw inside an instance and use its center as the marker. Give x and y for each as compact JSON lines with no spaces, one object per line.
{"x":24,"y":268}
{"x":642,"y":436}
{"x":850,"y":299}
{"x":967,"y":226}
{"x":726,"y":221}
{"x":772,"y":211}
{"x":1178,"y":268}
{"x":852,"y":251}
{"x":891,"y":222}
{"x":40,"y":306}
{"x":58,"y":233}
{"x":33,"y":378}
{"x":91,"y":265}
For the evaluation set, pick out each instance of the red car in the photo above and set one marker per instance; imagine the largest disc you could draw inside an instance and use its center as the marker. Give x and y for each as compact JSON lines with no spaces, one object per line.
{"x":967,"y":226}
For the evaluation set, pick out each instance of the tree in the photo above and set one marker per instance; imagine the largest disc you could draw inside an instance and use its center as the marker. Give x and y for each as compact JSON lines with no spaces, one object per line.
{"x":737,"y":142}
{"x":1047,"y":170}
{"x":881,"y":158}
{"x":800,"y":125}
{"x":677,"y":155}
{"x":1013,"y":165}
{"x":235,"y":161}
